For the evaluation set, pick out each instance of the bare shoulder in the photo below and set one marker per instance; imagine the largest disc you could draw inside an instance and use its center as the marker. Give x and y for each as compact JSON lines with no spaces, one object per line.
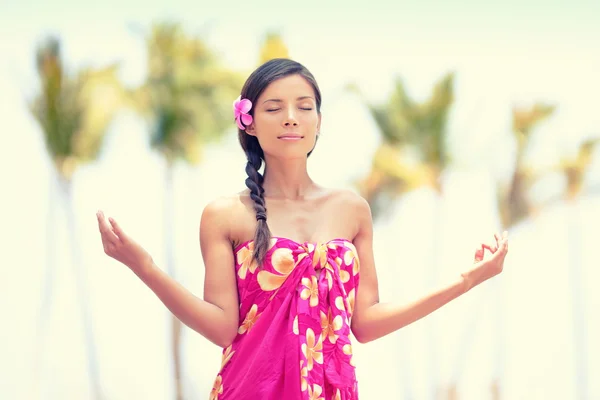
{"x":218,"y":215}
{"x":231,"y":217}
{"x":352,"y":208}
{"x":351,"y":203}
{"x":226,"y":203}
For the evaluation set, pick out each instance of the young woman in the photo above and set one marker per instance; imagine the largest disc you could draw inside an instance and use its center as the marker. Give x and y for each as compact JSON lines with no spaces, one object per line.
{"x":282,"y":291}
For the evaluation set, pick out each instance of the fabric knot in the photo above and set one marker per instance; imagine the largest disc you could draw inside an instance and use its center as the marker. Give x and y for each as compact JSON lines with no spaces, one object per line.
{"x":317,"y":252}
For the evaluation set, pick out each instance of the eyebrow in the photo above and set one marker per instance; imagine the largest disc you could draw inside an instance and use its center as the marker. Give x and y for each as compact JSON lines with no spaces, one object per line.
{"x":298,"y":99}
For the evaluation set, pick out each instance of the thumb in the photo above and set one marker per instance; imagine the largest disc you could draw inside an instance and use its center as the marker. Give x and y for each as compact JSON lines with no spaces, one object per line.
{"x":117,"y":228}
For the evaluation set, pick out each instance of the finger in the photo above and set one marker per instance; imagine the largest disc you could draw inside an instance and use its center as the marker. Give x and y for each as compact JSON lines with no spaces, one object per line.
{"x":102,"y":225}
{"x":505,"y":244}
{"x":503,"y":237}
{"x":117,"y":229}
{"x":503,"y":249}
{"x":479,"y":253}
{"x":491,"y":247}
{"x":499,"y":238}
{"x":105,"y":230}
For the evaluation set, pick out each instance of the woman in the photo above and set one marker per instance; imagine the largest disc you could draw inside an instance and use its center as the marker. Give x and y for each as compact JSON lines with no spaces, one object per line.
{"x":282,"y":293}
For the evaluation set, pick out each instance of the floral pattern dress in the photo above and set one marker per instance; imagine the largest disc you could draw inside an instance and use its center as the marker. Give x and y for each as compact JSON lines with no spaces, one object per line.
{"x":293,"y":341}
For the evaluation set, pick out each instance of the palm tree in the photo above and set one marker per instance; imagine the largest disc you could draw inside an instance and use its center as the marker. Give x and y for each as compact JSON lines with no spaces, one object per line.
{"x":73,"y":114}
{"x":186,"y":100}
{"x":514,"y":207}
{"x":513,"y":201}
{"x":414,"y":153}
{"x":273,"y":46}
{"x":514,"y":204}
{"x":408,"y":126}
{"x":575,"y":169}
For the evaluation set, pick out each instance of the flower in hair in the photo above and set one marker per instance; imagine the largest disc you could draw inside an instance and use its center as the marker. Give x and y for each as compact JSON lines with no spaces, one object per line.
{"x":241,"y":107}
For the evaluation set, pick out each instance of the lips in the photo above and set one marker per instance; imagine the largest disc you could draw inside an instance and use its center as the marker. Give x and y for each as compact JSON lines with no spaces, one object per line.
{"x":290,"y":136}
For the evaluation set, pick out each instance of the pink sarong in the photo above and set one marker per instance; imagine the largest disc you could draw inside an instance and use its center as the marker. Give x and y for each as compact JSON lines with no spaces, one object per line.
{"x":293,"y":340}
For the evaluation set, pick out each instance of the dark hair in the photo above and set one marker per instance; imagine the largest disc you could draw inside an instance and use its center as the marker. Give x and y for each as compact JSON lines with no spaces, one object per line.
{"x":256,"y":83}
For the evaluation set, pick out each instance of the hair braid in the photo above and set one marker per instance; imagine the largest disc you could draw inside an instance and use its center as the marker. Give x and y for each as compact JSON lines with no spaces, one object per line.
{"x":254,"y":182}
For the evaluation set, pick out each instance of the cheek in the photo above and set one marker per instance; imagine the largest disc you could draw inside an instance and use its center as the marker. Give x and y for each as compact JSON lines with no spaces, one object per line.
{"x":311,"y":121}
{"x":266,"y":122}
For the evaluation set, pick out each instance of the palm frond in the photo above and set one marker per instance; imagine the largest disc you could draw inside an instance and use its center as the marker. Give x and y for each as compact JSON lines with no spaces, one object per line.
{"x":73,"y":111}
{"x":188,"y":94}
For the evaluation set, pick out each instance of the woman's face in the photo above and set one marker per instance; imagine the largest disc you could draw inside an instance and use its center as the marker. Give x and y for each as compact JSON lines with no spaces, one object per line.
{"x":286,"y":121}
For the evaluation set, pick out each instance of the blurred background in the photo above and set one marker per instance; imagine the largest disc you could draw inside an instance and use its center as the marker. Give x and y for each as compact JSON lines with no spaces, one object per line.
{"x":453,"y":119}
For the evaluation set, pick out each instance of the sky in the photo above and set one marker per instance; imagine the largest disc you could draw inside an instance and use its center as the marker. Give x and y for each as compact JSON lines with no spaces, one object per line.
{"x":504,"y":54}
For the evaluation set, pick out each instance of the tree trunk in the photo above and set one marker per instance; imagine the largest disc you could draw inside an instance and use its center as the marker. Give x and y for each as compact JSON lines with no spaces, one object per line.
{"x":176,"y":325}
{"x":578,"y":300}
{"x":452,"y":392}
{"x":406,"y":371}
{"x":82,"y":291}
{"x":468,"y":338}
{"x":432,"y":278}
{"x":498,"y":333}
{"x":495,"y":390}
{"x":47,"y":291}
{"x":465,"y":341}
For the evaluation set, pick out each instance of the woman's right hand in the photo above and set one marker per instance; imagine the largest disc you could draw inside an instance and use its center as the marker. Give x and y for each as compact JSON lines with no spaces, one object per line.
{"x":120,"y":246}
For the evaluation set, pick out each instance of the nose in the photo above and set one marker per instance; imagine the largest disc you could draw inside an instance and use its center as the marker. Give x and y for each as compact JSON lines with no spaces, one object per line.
{"x":290,"y":118}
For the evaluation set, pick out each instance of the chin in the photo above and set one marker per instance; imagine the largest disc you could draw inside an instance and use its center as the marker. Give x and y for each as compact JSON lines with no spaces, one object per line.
{"x":288,"y":154}
{"x":289,"y":150}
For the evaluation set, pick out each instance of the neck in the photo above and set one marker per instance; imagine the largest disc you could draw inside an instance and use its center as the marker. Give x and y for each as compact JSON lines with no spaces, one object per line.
{"x":287,"y":179}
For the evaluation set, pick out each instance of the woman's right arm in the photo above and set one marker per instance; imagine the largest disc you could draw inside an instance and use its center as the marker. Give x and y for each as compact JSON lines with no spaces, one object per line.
{"x":216,"y":317}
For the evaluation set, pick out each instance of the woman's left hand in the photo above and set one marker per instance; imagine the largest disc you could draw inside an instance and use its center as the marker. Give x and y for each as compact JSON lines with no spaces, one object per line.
{"x":487,"y":267}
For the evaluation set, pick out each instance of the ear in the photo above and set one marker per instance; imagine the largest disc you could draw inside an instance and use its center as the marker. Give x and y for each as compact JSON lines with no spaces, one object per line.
{"x":250,"y":130}
{"x":319,"y":125}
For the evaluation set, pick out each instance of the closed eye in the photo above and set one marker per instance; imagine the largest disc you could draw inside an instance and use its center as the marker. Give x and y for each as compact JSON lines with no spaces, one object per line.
{"x":277,"y":109}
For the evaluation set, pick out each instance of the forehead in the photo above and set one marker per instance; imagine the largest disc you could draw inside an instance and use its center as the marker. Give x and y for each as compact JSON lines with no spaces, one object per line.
{"x":289,"y":87}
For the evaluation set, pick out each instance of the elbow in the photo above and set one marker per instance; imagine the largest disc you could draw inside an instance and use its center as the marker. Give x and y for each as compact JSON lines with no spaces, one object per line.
{"x":225,"y":331}
{"x":221,"y":335}
{"x":360,"y":334}
{"x":224,"y":341}
{"x":223,"y":344}
{"x":362,"y":339}
{"x":226,"y":338}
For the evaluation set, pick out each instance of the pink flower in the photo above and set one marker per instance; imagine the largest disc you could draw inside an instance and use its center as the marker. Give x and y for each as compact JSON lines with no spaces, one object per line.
{"x":240,"y":111}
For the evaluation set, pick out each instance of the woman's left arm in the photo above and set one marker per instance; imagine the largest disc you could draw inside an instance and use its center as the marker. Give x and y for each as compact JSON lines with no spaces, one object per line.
{"x":372,"y":319}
